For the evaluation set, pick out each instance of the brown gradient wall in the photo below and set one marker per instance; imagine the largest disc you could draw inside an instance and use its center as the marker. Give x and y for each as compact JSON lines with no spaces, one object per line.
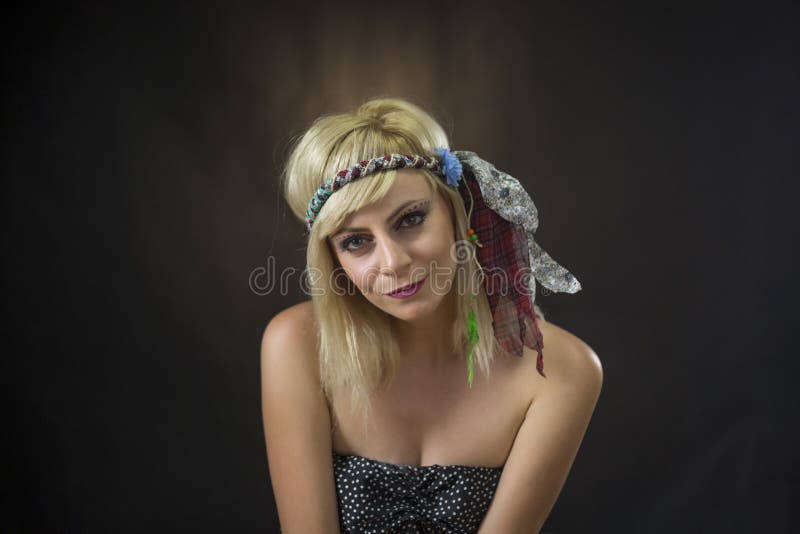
{"x":142,"y":150}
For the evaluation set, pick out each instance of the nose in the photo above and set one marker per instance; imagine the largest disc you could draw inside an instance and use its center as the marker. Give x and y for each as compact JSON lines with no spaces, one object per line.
{"x":394,"y":257}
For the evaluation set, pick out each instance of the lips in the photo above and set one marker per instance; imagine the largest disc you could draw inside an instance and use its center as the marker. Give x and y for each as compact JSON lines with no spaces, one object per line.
{"x":406,"y":291}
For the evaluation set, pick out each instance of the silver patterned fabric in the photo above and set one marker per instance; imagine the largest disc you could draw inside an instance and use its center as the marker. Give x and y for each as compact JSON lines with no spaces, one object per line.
{"x":505,"y":195}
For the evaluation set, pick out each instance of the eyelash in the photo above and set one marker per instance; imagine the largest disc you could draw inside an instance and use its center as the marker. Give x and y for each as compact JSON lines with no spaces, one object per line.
{"x":344,"y":243}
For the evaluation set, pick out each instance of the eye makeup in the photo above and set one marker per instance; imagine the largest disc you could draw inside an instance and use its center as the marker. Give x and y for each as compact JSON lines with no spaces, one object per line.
{"x":421,"y":207}
{"x":352,"y":236}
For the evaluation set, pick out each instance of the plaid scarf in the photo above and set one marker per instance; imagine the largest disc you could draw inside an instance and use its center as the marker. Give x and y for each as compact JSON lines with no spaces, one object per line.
{"x":509,"y":283}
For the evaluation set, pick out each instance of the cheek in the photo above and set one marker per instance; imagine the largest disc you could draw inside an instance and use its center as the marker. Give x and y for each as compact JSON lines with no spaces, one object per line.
{"x":439,"y":246}
{"x":363,"y":281}
{"x":359,"y":274}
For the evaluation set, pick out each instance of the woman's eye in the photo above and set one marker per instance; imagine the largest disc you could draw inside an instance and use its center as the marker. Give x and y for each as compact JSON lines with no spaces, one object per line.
{"x":412,"y":219}
{"x":354,"y":243}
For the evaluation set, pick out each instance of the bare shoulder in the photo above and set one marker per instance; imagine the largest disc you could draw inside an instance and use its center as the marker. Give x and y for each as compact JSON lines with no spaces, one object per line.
{"x":551,"y":433}
{"x":567,"y":358}
{"x":291,"y":333}
{"x":289,"y":349}
{"x":296,"y":321}
{"x":289,"y":355}
{"x":297,"y":426}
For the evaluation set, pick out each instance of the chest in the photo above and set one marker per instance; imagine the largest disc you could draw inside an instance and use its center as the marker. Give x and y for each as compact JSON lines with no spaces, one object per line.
{"x":425,"y":419}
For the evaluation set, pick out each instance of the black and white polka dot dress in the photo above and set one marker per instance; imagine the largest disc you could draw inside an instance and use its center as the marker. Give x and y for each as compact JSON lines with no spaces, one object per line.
{"x":378,"y":497}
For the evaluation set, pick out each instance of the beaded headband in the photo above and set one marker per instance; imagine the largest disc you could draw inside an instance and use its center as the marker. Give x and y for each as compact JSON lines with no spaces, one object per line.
{"x":363,"y":168}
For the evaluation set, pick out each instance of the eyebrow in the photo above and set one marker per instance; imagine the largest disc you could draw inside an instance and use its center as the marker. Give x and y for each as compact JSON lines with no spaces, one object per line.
{"x":394,"y":214}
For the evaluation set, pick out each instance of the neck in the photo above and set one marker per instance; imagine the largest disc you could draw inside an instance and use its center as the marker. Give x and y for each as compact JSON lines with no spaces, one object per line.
{"x":428,"y":341}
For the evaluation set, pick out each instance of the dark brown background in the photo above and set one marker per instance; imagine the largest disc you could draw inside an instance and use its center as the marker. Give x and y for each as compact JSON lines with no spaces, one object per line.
{"x":141,"y":152}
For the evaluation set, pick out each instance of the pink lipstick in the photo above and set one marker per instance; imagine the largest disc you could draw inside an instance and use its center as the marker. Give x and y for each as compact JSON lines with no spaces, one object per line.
{"x":406,"y":291}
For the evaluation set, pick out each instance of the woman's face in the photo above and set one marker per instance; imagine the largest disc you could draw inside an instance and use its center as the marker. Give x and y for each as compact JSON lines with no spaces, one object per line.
{"x":398,"y":251}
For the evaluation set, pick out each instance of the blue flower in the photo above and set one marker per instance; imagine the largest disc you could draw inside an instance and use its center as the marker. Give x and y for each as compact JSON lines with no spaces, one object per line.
{"x":451,"y":165}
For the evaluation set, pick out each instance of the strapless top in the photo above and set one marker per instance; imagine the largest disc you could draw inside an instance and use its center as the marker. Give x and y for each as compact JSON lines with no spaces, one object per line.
{"x":379,"y":497}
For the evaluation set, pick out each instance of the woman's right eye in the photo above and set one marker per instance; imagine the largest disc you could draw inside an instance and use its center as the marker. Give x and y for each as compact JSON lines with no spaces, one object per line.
{"x":352,"y":243}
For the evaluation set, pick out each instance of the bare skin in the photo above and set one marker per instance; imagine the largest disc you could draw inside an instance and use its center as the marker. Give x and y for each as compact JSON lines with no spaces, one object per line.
{"x":429,"y":416}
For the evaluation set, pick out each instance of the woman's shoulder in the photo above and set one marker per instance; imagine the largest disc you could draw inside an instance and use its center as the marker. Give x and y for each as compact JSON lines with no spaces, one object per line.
{"x":297,"y":314}
{"x":291,"y":337}
{"x":297,"y":425}
{"x":567,"y":358}
{"x":296,"y":321}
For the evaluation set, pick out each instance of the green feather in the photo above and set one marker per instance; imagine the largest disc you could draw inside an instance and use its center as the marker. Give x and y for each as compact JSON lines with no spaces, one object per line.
{"x":472,"y":340}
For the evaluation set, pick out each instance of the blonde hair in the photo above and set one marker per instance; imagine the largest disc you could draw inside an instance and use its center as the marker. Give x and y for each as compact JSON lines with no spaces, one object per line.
{"x":357,"y":349}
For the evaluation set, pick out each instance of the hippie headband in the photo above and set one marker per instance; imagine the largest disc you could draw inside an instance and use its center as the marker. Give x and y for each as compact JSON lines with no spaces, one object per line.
{"x":503,"y":220}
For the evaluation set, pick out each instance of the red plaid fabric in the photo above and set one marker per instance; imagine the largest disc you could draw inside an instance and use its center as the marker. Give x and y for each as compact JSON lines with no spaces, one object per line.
{"x":505,"y":261}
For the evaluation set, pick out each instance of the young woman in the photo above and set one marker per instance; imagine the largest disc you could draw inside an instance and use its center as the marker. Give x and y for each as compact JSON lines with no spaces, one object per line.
{"x":375,"y":420}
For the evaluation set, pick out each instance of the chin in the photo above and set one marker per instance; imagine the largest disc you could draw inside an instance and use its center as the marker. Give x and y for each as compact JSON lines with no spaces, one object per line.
{"x":422,"y":309}
{"x":409,"y":316}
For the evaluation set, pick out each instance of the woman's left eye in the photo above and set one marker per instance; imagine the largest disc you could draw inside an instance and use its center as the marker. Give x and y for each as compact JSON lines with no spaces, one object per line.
{"x":412,"y":219}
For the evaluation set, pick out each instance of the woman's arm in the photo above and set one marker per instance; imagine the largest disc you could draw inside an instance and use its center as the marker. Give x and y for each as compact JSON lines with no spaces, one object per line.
{"x":297,"y":425}
{"x":549,"y":438}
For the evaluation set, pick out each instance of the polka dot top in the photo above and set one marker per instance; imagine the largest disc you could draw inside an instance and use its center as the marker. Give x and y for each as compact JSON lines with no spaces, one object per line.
{"x":378,"y":497}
